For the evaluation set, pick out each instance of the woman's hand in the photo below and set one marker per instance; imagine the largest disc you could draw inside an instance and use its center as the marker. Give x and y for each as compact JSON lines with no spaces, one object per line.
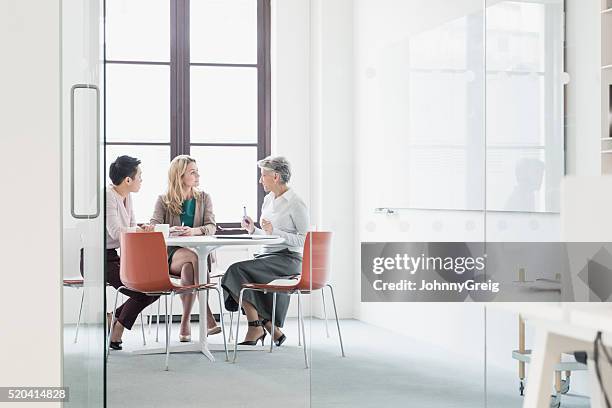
{"x":248,"y":224}
{"x":147,"y":227}
{"x":188,"y":231}
{"x":267,"y":226}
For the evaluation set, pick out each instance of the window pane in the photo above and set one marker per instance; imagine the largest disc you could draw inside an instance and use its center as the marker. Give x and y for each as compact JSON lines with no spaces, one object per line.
{"x":223,"y":105}
{"x":229,"y":175}
{"x":154,"y":164}
{"x":138,"y":103}
{"x":223,"y":31}
{"x":138,"y":30}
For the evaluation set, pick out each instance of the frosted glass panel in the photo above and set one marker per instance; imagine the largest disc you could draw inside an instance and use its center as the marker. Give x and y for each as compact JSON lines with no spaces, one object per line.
{"x":524,"y":114}
{"x":223,"y":105}
{"x":138,"y":108}
{"x":155,"y":161}
{"x":223,"y":31}
{"x":436,"y":131}
{"x":229,"y":175}
{"x":138,"y":30}
{"x":510,"y":122}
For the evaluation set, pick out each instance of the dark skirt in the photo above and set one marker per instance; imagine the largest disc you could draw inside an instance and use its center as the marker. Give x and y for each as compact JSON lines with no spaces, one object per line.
{"x":263,"y":269}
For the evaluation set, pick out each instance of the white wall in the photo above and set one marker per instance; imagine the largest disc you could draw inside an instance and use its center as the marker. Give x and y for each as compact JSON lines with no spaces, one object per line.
{"x":30,"y":161}
{"x":312,"y":121}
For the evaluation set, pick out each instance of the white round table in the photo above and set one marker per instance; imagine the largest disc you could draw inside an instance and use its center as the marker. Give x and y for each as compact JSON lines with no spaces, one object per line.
{"x":203,"y":246}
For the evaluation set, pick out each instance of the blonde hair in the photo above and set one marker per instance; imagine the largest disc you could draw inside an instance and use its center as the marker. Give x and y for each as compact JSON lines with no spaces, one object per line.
{"x":174,"y":195}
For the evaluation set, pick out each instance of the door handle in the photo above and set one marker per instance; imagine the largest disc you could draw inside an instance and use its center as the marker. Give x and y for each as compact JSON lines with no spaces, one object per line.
{"x":72,"y":206}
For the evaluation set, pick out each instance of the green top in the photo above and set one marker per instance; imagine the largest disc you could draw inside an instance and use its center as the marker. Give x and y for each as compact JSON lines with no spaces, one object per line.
{"x":188,"y":212}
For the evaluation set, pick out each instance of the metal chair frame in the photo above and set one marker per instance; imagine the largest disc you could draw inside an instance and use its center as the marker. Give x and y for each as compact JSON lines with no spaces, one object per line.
{"x":169,"y":316}
{"x":300,"y":317}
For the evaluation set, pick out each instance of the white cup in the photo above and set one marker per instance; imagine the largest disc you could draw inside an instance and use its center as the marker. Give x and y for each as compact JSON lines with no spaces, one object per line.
{"x":163,"y":228}
{"x":132,"y":229}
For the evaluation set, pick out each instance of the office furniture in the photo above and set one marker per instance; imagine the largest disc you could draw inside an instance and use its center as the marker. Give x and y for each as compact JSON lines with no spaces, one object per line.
{"x":203,"y":245}
{"x":564,"y":328}
{"x":79,"y":284}
{"x":144,"y":268}
{"x":315,"y":276}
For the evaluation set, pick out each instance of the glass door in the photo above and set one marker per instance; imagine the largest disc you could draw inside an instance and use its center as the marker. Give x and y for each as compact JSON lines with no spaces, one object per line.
{"x":82,"y":199}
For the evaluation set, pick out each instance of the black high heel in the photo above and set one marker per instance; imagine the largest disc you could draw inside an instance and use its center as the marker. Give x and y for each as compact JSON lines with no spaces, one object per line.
{"x":116,"y":345}
{"x":254,"y":323}
{"x":278,"y":341}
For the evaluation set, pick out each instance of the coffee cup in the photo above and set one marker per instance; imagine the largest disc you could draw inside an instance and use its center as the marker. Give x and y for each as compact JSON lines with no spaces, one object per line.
{"x":163,"y":228}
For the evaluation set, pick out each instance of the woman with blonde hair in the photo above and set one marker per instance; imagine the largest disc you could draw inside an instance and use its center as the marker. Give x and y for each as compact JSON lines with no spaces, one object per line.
{"x":190,"y":212}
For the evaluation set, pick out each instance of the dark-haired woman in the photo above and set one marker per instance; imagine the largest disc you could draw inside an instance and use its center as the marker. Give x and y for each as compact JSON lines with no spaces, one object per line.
{"x":126,"y":178}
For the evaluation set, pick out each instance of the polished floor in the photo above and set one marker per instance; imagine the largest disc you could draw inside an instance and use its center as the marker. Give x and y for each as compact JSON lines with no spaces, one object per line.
{"x":382,"y":369}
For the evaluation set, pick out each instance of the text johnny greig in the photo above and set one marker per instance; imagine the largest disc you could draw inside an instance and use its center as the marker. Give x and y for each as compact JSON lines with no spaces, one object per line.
{"x":411,"y":264}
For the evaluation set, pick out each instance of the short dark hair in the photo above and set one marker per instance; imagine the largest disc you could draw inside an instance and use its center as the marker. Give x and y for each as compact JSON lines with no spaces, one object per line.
{"x":122,"y":167}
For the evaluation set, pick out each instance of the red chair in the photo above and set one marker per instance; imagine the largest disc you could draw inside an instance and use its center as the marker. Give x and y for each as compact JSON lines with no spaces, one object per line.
{"x":316,"y":254}
{"x":144,"y":268}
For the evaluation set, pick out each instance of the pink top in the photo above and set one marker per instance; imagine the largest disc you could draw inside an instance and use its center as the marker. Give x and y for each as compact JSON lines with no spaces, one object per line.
{"x":119,"y":216}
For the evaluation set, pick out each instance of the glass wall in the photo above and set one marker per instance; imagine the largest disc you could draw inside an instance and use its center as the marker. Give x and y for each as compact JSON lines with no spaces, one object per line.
{"x":82,"y":204}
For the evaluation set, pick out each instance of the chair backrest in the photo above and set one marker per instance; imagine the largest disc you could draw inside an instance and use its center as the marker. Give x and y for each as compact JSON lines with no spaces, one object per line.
{"x":144,"y":262}
{"x":317,"y":249}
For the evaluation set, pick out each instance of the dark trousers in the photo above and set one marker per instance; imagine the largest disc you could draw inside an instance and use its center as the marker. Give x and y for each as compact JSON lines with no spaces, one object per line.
{"x":129,"y":311}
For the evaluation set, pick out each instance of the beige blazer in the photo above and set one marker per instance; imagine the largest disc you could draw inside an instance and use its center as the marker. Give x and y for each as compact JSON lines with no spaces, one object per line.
{"x":204,"y":218}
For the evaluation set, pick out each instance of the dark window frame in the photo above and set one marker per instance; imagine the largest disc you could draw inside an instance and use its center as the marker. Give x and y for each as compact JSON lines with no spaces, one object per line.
{"x":180,"y":66}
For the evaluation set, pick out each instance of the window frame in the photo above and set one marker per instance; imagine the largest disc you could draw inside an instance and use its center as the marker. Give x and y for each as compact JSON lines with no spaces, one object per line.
{"x":180,"y":67}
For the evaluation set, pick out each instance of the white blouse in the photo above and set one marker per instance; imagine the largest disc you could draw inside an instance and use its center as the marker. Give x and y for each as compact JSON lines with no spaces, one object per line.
{"x":289,"y":217}
{"x":119,"y":216}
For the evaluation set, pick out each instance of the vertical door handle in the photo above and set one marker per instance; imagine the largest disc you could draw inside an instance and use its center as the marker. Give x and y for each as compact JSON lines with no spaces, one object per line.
{"x":72,"y":206}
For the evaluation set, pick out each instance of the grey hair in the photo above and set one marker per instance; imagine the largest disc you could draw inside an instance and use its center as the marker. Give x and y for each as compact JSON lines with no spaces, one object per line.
{"x":278,"y":165}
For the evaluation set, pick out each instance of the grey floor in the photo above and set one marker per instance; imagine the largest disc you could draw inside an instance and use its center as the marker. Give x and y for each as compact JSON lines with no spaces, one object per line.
{"x":382,"y":369}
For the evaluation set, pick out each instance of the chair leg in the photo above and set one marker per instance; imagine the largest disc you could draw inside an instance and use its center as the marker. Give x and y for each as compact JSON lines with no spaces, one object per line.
{"x":272,"y":320}
{"x":149,"y":319}
{"x":110,"y":329}
{"x":325,"y":313}
{"x":157,"y":330}
{"x":76,"y":335}
{"x":299,"y":320}
{"x":238,"y":323}
{"x":222,"y":323}
{"x":337,"y":321}
{"x":142,"y":325}
{"x":303,"y":330}
{"x":168,"y":326}
{"x":231,"y":325}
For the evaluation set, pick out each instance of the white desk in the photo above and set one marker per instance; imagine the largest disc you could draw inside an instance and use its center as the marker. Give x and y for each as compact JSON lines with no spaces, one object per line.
{"x":563,"y":328}
{"x":203,"y":245}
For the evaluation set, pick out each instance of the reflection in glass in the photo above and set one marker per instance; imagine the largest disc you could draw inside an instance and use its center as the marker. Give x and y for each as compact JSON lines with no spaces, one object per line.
{"x":140,"y":108}
{"x":230,"y":176}
{"x":223,"y":105}
{"x":443,"y":129}
{"x":524,"y":115}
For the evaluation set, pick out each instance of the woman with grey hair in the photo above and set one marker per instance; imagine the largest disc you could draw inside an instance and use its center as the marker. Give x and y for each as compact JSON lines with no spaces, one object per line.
{"x":283,"y":213}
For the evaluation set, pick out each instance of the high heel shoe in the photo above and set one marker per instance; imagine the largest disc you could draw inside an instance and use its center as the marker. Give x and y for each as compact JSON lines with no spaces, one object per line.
{"x":281,"y":338}
{"x":255,"y":323}
{"x":116,"y":345}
